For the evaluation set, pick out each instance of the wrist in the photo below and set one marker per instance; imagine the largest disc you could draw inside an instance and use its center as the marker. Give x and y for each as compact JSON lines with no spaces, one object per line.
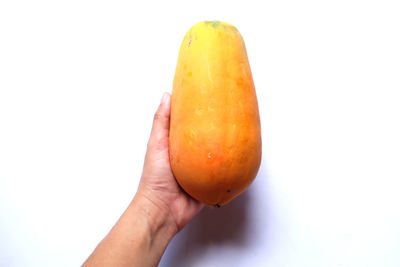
{"x":157,"y":217}
{"x":143,"y":229}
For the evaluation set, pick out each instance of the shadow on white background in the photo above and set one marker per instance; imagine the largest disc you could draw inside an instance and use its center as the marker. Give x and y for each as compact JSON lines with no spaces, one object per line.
{"x":215,"y":230}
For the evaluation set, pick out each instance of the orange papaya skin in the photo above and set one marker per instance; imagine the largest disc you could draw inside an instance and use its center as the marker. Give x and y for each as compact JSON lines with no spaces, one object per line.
{"x":215,"y":133}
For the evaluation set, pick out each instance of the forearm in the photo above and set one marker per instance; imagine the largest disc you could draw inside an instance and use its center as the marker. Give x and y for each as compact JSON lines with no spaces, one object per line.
{"x":139,"y":238}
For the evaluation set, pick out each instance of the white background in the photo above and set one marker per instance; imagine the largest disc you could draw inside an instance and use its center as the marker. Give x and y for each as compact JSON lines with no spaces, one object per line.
{"x":80,"y":81}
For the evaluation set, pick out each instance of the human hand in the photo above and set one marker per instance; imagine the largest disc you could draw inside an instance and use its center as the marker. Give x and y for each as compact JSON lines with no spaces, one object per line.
{"x":158,"y":184}
{"x":158,"y":211}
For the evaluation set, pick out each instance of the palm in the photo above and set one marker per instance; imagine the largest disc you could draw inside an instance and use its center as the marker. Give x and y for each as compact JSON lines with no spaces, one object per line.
{"x":158,"y":179}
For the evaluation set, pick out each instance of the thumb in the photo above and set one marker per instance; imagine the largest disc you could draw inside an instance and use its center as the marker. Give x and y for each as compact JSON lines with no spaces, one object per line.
{"x":160,"y":130}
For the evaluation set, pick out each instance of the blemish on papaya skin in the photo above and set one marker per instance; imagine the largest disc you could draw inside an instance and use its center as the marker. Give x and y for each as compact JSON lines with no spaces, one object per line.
{"x":190,"y":40}
{"x":217,"y":205}
{"x":228,"y":191}
{"x":198,"y":111}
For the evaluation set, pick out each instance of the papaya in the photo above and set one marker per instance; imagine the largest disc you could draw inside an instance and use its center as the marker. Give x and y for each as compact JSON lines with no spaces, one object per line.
{"x":215,"y":133}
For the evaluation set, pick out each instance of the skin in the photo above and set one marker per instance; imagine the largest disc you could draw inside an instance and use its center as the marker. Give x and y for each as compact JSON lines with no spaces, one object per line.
{"x":159,"y":210}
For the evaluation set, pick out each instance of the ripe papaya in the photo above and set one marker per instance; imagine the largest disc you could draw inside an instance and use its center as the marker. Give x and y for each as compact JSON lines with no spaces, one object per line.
{"x":215,"y":133}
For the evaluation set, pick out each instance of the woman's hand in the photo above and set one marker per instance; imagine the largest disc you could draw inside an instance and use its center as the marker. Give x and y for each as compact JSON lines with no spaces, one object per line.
{"x":159,"y":210}
{"x":158,"y":184}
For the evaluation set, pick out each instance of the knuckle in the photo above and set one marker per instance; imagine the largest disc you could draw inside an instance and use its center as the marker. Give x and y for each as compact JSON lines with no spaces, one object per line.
{"x":157,"y":116}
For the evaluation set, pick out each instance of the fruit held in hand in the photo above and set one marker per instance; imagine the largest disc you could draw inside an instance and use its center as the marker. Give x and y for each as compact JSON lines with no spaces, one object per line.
{"x":215,"y":134}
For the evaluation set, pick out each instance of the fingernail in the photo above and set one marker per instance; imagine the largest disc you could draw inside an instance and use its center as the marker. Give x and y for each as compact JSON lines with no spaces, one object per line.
{"x":164,"y":98}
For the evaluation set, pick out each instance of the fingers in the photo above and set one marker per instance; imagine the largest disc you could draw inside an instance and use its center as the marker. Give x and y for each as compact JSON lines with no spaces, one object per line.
{"x":161,"y":118}
{"x":160,"y":130}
